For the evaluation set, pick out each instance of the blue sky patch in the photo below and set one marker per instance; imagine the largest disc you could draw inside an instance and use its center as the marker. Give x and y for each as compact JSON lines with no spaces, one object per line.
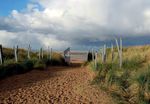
{"x":6,"y":6}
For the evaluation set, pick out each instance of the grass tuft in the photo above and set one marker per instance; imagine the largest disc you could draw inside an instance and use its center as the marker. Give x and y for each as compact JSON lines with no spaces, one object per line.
{"x":131,"y":83}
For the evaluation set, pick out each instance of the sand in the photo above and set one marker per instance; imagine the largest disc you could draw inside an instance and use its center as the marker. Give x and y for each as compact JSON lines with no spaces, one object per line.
{"x":56,"y":85}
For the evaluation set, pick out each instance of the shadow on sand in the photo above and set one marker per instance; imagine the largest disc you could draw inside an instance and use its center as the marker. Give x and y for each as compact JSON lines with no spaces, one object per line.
{"x":31,"y":78}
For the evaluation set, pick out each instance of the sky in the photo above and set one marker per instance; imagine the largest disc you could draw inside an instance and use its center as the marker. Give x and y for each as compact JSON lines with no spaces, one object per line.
{"x":79,"y":24}
{"x":6,"y":6}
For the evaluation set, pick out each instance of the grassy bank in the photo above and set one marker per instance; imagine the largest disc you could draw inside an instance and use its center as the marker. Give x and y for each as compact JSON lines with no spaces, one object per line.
{"x":10,"y":67}
{"x":131,"y":83}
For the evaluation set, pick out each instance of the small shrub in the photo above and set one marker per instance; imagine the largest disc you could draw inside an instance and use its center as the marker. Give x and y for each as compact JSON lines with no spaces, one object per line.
{"x":10,"y":67}
{"x":29,"y":64}
{"x":39,"y":65}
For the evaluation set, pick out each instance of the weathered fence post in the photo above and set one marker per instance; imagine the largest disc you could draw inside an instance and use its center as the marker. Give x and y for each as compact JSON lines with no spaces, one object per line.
{"x":39,"y":53}
{"x":112,"y":52}
{"x":29,"y":49}
{"x":42,"y":53}
{"x":120,"y":53}
{"x":95,"y":60}
{"x":104,"y":53}
{"x":93,"y":54}
{"x":48,"y":53}
{"x":1,"y":55}
{"x":1,"y":61}
{"x":16,"y":53}
{"x":51,"y":53}
{"x":119,"y":48}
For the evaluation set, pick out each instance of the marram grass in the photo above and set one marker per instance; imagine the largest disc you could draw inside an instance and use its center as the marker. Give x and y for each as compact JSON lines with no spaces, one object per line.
{"x":131,"y":83}
{"x":10,"y":67}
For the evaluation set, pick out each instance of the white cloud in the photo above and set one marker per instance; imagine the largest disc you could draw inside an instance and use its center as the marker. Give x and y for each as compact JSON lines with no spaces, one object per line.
{"x":6,"y":39}
{"x":52,"y":41}
{"x":10,"y":39}
{"x":75,"y":22}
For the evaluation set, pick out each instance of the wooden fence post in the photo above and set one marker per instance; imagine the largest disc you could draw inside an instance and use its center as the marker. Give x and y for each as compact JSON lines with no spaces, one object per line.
{"x":93,"y":54}
{"x":1,"y":61}
{"x":102,"y":54}
{"x":120,"y":53}
{"x":48,"y":53}
{"x":29,"y":49}
{"x":119,"y":48}
{"x":95,"y":60}
{"x":112,"y":51}
{"x":1,"y":55}
{"x":51,"y":53}
{"x":16,"y":53}
{"x":40,"y":54}
{"x":105,"y":53}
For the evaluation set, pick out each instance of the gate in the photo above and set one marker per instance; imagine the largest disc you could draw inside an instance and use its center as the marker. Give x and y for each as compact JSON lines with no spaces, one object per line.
{"x":67,"y":55}
{"x":75,"y":56}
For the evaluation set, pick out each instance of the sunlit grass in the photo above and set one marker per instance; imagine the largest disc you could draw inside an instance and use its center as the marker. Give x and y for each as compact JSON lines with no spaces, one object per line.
{"x":10,"y":67}
{"x":131,"y":83}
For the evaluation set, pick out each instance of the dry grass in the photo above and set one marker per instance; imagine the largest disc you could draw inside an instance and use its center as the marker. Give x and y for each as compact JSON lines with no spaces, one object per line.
{"x":10,"y":67}
{"x":131,"y":84}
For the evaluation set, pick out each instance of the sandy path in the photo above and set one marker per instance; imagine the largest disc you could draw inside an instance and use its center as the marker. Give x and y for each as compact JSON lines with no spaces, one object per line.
{"x":57,"y":85}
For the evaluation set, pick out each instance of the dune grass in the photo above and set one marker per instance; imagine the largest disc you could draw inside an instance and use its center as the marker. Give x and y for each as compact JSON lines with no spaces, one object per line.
{"x":10,"y":67}
{"x":131,"y":83}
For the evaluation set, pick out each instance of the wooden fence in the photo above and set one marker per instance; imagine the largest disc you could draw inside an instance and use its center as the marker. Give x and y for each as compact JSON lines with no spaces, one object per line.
{"x":104,"y":53}
{"x":67,"y":53}
{"x":16,"y":53}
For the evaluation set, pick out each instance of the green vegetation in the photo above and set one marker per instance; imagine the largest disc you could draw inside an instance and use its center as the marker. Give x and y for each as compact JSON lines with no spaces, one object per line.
{"x":131,"y":83}
{"x":10,"y":67}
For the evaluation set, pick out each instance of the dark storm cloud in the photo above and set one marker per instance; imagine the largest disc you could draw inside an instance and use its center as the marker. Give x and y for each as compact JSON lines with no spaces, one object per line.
{"x":91,"y":23}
